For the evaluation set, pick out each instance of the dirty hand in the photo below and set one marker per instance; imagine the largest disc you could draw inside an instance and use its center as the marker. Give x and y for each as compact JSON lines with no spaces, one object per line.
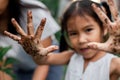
{"x":113,"y":42}
{"x":30,"y":41}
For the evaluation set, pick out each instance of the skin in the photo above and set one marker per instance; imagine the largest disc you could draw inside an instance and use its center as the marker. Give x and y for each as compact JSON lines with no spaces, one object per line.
{"x":3,"y":6}
{"x":43,"y":69}
{"x":3,"y":75}
{"x":87,"y":46}
{"x":82,"y":30}
{"x":3,"y":22}
{"x":112,"y":44}
{"x":78,"y":42}
{"x":3,"y":15}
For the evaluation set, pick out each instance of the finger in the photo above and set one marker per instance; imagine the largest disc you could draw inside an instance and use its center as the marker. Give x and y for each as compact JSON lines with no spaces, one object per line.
{"x":18,"y":28}
{"x":49,"y":49}
{"x":30,"y":27}
{"x":40,"y":28}
{"x":103,"y":17}
{"x":99,"y":46}
{"x":114,"y":42}
{"x":14,"y":37}
{"x":113,"y":9}
{"x":52,"y":48}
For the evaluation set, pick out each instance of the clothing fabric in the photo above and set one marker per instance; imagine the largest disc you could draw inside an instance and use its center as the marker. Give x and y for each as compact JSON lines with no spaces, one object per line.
{"x":26,"y":63}
{"x":98,"y":70}
{"x":55,"y":72}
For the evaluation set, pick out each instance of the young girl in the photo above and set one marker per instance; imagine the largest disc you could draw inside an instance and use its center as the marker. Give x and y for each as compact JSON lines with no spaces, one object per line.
{"x":84,"y":26}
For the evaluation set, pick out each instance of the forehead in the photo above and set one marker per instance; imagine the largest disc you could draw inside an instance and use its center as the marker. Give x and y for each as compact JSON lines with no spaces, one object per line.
{"x":80,"y":21}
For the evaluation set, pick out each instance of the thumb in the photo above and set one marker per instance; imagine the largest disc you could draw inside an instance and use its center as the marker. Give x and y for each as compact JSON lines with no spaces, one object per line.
{"x":99,"y":46}
{"x":52,"y":48}
{"x":49,"y":49}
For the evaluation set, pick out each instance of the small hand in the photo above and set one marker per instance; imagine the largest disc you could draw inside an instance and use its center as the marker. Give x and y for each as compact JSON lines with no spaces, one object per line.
{"x":113,"y":42}
{"x":30,"y":41}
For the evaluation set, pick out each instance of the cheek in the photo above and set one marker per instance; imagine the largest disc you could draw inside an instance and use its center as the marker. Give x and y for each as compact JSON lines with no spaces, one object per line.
{"x":97,"y":37}
{"x":73,"y":42}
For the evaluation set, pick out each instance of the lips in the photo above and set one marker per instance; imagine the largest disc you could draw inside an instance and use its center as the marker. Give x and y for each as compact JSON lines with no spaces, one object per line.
{"x":84,"y":50}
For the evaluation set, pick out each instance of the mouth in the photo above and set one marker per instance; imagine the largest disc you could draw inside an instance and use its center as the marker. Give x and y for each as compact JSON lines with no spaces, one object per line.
{"x":84,"y":50}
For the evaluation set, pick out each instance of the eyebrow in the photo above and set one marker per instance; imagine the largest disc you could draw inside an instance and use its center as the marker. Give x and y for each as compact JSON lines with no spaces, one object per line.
{"x":88,"y":26}
{"x":69,"y":30}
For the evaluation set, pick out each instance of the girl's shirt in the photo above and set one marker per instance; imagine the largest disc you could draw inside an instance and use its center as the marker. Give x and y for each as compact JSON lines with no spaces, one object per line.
{"x":98,"y":70}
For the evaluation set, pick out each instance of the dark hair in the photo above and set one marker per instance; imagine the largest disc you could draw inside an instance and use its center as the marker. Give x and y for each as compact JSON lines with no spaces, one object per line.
{"x":107,"y":9}
{"x":14,"y":12}
{"x":80,"y":8}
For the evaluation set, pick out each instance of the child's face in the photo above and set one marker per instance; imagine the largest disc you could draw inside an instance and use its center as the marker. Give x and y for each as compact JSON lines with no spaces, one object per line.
{"x":82,"y":30}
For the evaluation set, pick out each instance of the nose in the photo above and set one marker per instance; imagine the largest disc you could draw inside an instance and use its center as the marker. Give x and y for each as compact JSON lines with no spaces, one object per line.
{"x":82,"y":39}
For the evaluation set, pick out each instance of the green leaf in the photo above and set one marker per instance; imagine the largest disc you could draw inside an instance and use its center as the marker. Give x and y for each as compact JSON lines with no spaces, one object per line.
{"x":3,"y":51}
{"x":117,"y":54}
{"x":9,"y":61}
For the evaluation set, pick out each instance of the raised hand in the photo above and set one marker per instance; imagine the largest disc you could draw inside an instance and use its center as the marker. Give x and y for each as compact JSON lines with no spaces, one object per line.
{"x":30,"y":41}
{"x":113,"y":42}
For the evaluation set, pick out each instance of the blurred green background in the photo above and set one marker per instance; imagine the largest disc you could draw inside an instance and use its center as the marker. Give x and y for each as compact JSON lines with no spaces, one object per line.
{"x":53,"y":6}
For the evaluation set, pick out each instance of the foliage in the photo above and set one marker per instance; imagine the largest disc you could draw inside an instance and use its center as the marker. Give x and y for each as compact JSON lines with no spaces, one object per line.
{"x":52,"y":6}
{"x":6,"y":62}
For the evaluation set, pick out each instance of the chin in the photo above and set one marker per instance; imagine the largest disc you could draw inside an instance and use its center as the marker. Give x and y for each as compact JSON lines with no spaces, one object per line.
{"x":88,"y":55}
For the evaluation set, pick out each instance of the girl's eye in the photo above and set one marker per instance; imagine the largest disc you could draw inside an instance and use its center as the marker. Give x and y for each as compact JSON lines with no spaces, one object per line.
{"x":88,"y":30}
{"x":72,"y":33}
